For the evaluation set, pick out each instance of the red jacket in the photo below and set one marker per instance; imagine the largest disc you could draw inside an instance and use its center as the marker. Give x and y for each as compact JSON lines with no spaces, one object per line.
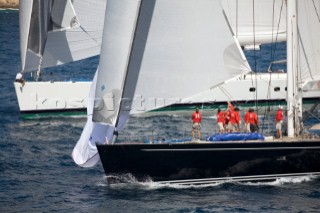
{"x":196,"y":117}
{"x":220,"y":117}
{"x":233,"y":117}
{"x":253,"y":119}
{"x":246,"y":117}
{"x":279,"y":115}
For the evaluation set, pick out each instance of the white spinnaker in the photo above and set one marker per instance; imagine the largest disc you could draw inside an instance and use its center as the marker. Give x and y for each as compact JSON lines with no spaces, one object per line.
{"x":85,"y":152}
{"x":68,"y":44}
{"x":258,"y":21}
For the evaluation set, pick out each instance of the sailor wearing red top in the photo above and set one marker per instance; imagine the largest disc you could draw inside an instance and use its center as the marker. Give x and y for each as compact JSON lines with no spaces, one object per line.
{"x":253,"y":120}
{"x":279,"y":120}
{"x":196,"y":119}
{"x":238,"y":119}
{"x":220,"y":120}
{"x":246,"y":122}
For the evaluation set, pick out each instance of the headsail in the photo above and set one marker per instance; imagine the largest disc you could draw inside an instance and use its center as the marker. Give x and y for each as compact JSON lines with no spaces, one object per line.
{"x":59,"y":31}
{"x":85,"y":152}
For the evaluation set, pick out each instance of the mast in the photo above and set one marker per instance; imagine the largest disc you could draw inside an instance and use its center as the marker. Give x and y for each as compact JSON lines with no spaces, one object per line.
{"x":291,"y":64}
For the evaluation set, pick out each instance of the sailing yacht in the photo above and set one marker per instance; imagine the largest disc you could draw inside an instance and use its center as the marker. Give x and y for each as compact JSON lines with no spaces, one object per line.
{"x":54,"y":33}
{"x":144,"y":38}
{"x":61,"y":43}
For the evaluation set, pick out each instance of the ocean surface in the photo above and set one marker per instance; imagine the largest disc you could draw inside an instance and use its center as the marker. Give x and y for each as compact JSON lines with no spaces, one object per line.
{"x":37,"y":173}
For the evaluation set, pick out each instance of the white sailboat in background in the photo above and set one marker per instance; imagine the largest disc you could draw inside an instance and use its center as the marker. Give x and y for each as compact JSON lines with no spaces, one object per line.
{"x":251,"y":22}
{"x":52,"y":33}
{"x":132,"y":55}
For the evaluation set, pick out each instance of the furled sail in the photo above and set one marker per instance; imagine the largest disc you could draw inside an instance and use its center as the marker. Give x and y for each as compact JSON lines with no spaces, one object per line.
{"x":258,"y":21}
{"x":54,"y":32}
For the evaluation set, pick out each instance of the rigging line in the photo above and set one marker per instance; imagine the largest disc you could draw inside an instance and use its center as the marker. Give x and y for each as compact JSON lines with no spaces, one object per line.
{"x":315,"y":8}
{"x":237,"y":21}
{"x":254,"y":53}
{"x":272,"y":19}
{"x":275,"y":42}
{"x":273,"y":50}
{"x":226,"y":93}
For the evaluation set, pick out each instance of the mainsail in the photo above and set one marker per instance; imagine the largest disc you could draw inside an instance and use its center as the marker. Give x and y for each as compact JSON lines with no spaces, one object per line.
{"x":156,"y":52}
{"x":54,"y":32}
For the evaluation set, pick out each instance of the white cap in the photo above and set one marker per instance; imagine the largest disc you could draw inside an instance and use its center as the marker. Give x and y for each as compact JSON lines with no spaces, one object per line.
{"x":280,"y":107}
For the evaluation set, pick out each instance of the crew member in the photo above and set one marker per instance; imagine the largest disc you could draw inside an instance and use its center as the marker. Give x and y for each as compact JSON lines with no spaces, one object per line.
{"x":279,"y":120}
{"x":19,"y":78}
{"x":196,"y":120}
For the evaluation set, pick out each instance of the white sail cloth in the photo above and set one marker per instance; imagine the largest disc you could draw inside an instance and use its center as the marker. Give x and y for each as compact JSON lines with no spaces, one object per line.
{"x":85,"y":152}
{"x":257,"y":21}
{"x":172,"y":45}
{"x":74,"y":31}
{"x":308,"y":41}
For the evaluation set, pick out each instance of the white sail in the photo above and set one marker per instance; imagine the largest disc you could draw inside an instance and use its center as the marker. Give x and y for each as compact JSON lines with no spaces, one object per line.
{"x":258,"y":21}
{"x":308,"y":40}
{"x":24,"y":19}
{"x":59,"y":31}
{"x":176,"y":43}
{"x":85,"y":152}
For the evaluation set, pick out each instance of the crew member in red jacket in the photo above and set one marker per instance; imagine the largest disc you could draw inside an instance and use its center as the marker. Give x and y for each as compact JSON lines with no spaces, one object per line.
{"x":196,"y":119}
{"x":246,"y":121}
{"x":279,"y":120}
{"x":220,"y":120}
{"x":253,"y":120}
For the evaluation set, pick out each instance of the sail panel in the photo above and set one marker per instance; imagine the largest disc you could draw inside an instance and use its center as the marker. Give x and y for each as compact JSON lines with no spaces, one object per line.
{"x":65,"y":44}
{"x":25,"y":9}
{"x":189,"y":49}
{"x":180,"y":49}
{"x":254,"y":21}
{"x":308,"y":38}
{"x":120,"y":23}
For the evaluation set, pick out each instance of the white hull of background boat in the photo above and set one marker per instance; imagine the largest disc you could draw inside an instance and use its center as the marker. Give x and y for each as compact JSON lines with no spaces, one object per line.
{"x":37,"y":99}
{"x":42,"y":99}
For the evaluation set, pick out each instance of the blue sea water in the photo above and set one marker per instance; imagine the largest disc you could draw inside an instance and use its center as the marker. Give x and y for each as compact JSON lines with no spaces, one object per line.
{"x":37,"y":173}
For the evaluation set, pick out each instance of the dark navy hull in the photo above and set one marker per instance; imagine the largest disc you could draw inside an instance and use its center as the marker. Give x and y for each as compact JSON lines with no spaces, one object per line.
{"x":211,"y":161}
